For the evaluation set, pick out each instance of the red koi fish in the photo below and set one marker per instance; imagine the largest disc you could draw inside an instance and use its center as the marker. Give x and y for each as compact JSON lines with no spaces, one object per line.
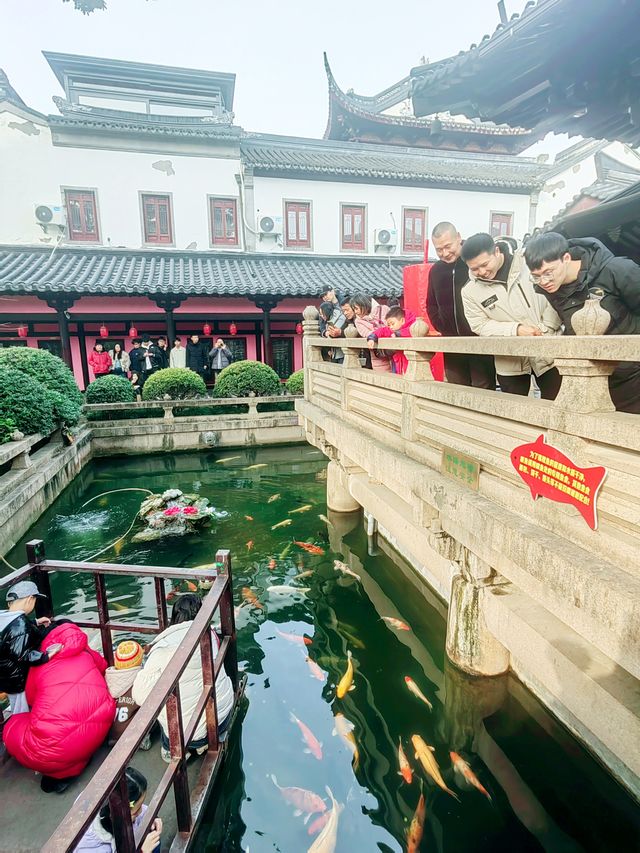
{"x":398,"y":624}
{"x":191,"y":586}
{"x":295,"y":638}
{"x":251,"y":598}
{"x":304,"y":802}
{"x":548,"y":472}
{"x":405,"y":768}
{"x":309,"y":548}
{"x":416,"y":828}
{"x":312,"y":742}
{"x":319,"y":823}
{"x":463,"y":768}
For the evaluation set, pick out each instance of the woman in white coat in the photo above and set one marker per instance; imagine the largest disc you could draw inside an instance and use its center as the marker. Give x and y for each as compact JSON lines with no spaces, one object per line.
{"x":163,"y":648}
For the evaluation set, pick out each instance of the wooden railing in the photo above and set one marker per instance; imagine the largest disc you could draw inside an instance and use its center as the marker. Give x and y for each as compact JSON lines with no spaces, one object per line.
{"x":109,"y":784}
{"x":169,"y":406}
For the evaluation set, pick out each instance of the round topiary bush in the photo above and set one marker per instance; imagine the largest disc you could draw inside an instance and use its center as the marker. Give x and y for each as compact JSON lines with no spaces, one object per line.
{"x":295,"y":383}
{"x":26,"y":402}
{"x":110,"y":389}
{"x":177,"y":383}
{"x":242,"y":378}
{"x":51,"y":372}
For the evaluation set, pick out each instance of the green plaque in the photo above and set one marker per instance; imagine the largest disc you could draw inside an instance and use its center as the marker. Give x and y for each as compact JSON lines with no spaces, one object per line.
{"x":460,"y":468}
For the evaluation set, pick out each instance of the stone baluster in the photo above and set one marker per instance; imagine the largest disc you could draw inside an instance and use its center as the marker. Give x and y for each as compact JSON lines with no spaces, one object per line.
{"x":311,"y":354}
{"x":351,"y":356}
{"x":253,"y":405}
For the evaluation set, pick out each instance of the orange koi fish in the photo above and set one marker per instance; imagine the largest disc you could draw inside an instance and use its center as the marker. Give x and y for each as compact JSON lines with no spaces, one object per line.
{"x":413,"y":687}
{"x":416,"y":827}
{"x":463,"y":768}
{"x":313,"y":744}
{"x":251,"y":598}
{"x":304,"y":802}
{"x":315,"y":670}
{"x":295,"y":638}
{"x":405,"y":768}
{"x":249,"y":544}
{"x":424,"y":754}
{"x":249,"y":517}
{"x":309,"y":548}
{"x":191,"y":586}
{"x":319,"y":823}
{"x":398,"y":624}
{"x":272,"y":564}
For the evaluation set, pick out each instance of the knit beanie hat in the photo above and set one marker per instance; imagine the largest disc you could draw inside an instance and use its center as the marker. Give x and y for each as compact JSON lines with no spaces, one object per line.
{"x":128,"y":655}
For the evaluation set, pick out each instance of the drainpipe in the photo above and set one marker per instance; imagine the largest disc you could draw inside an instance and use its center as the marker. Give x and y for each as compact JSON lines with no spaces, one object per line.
{"x":534,"y":198}
{"x":246,"y":200}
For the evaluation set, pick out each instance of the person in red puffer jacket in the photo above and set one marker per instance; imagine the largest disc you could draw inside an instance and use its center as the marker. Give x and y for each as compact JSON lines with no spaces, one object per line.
{"x":399,"y":324}
{"x":71,"y":711}
{"x":100,"y":361}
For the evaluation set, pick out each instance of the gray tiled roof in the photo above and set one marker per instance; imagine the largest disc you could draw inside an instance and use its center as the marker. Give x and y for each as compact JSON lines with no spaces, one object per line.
{"x":422,"y":166}
{"x":112,"y":271}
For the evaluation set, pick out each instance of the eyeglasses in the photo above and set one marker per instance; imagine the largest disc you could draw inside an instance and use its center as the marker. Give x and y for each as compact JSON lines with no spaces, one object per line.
{"x":545,"y":276}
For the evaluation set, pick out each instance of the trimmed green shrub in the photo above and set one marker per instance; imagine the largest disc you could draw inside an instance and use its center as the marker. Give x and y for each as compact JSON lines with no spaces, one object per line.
{"x":26,"y":401}
{"x":7,"y":428}
{"x":243,"y":377}
{"x":295,"y":383}
{"x":51,"y":372}
{"x":110,"y":389}
{"x":177,"y":383}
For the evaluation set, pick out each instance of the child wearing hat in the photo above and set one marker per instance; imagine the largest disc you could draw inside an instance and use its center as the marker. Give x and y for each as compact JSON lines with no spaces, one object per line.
{"x":120,"y":678}
{"x":20,"y":638}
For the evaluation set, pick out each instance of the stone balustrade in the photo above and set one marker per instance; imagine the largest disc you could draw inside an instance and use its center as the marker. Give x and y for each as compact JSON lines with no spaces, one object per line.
{"x":169,"y":406}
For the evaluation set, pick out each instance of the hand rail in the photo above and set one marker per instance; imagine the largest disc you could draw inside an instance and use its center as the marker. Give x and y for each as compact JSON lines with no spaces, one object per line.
{"x":198,"y":402}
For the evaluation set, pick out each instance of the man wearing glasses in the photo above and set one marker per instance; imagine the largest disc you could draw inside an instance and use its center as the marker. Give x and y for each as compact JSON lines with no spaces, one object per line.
{"x":566,"y":271}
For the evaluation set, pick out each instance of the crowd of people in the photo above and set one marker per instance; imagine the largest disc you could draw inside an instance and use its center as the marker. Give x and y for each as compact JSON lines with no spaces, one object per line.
{"x":146,"y":357}
{"x":65,"y":702}
{"x":494,"y":288}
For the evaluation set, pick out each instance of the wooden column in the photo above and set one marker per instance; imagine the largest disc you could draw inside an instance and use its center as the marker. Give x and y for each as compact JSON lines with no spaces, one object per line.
{"x":61,"y":303}
{"x":266,"y":304}
{"x":82,"y":344}
{"x":169,"y":305}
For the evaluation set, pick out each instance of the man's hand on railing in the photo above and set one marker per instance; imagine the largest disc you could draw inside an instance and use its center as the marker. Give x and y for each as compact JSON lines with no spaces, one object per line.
{"x":528,"y":331}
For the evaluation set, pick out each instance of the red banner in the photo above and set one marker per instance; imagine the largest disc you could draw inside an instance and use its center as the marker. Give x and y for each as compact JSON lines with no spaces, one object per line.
{"x":550,"y":474}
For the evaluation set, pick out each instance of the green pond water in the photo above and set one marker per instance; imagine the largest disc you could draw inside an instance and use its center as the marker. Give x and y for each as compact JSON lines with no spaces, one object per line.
{"x":547,"y":793}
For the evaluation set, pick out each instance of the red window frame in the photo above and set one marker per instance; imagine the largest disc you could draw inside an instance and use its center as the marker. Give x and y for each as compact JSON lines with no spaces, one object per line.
{"x":227,"y":232}
{"x":350,"y":240}
{"x":414,"y":220}
{"x":82,"y":215}
{"x":161,"y":204}
{"x":500,"y":221}
{"x":297,"y":224}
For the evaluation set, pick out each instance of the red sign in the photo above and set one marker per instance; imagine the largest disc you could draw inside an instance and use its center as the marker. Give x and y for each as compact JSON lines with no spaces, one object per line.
{"x":416,"y":286}
{"x":548,"y":472}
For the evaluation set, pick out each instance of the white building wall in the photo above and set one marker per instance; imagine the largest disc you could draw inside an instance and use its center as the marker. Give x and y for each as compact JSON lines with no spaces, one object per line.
{"x":469,"y":211}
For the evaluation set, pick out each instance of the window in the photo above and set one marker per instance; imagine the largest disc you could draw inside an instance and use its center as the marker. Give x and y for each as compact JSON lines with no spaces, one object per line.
{"x":353,"y":227}
{"x":54,"y":347}
{"x":82,"y":218}
{"x":238,"y":347}
{"x":156,"y":218}
{"x":297,"y":224}
{"x":224,"y":221}
{"x":413,"y":229}
{"x":501,"y":224}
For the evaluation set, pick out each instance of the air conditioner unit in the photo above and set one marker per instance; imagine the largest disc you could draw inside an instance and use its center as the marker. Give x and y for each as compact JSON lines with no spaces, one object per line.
{"x":270,"y":226}
{"x":385,"y":238}
{"x":50,"y":214}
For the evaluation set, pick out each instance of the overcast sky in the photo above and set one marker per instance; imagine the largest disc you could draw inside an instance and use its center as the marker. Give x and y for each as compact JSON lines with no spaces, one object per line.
{"x":273,"y":46}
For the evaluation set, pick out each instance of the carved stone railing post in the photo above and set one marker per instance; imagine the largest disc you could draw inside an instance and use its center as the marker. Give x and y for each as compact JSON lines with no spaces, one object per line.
{"x":310,"y":354}
{"x":585,"y":385}
{"x":168,"y":411}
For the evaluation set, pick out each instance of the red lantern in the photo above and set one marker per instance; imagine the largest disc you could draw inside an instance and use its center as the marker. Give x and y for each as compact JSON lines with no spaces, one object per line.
{"x":233,"y":329}
{"x":133,"y":332}
{"x":206,"y":330}
{"x":104,"y":332}
{"x":298,"y":328}
{"x":23,"y":331}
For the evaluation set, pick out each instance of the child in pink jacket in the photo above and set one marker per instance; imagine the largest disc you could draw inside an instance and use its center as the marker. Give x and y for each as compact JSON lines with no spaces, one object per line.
{"x":398,"y":325}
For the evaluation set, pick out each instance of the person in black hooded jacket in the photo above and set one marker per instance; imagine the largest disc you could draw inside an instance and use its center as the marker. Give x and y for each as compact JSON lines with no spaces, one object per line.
{"x":567,"y":271}
{"x":196,"y":355}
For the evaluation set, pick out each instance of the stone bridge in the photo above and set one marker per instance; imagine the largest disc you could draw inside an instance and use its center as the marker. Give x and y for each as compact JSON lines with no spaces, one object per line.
{"x":529,"y":585}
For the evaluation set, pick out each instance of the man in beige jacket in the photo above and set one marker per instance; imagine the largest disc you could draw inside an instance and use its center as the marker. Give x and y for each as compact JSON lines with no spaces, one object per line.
{"x":499,"y":299}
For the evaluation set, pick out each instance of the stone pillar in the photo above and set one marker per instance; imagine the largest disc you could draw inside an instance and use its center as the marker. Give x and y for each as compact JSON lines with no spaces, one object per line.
{"x":310,"y":329}
{"x":338,"y":496}
{"x":61,"y":303}
{"x":585,"y":385}
{"x":470,"y":644}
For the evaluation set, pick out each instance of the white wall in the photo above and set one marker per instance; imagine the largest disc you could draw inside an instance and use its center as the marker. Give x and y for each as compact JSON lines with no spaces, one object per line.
{"x":470,"y":211}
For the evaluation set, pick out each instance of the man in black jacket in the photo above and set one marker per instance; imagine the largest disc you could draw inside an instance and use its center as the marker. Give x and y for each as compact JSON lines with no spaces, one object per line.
{"x":567,"y":271}
{"x":444,"y":307}
{"x":197,"y":355}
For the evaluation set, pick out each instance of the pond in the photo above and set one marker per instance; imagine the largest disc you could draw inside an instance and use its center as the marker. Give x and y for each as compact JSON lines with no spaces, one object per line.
{"x":538,"y":788}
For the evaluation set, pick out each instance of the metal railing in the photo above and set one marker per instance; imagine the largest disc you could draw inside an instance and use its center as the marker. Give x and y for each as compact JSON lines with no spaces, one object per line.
{"x":109,"y":783}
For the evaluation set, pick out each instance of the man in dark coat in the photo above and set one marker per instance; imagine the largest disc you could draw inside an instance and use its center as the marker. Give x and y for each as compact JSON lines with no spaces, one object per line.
{"x":567,"y":271}
{"x":444,"y":308}
{"x":197,"y":355}
{"x":162,"y":353}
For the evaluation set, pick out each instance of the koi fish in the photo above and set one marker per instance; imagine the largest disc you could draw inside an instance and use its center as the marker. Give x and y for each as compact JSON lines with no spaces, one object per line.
{"x":315,"y":670}
{"x":416,"y":827}
{"x":249,"y":544}
{"x":251,"y":598}
{"x":117,"y":546}
{"x":325,"y":519}
{"x":255,"y":467}
{"x":353,"y":641}
{"x":283,"y":589}
{"x":308,"y":547}
{"x":227,"y":459}
{"x":405,"y":768}
{"x":191,"y":586}
{"x":463,"y":768}
{"x":344,"y":728}
{"x":424,"y":754}
{"x":413,"y":687}
{"x":304,"y":508}
{"x":286,"y":550}
{"x":339,"y":566}
{"x":273,"y":498}
{"x":318,"y":823}
{"x":326,"y":841}
{"x":205,"y":584}
{"x":313,"y":744}
{"x":295,"y":638}
{"x":346,"y":682}
{"x":248,"y":518}
{"x":306,"y":574}
{"x":285,"y":523}
{"x":398,"y":624}
{"x":122,"y":608}
{"x":173,"y":593}
{"x":304,"y":802}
